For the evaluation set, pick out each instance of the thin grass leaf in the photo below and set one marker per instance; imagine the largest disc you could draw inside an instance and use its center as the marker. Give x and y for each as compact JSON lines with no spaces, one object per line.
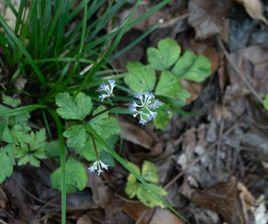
{"x":14,"y":40}
{"x":21,"y":110}
{"x":56,"y":118}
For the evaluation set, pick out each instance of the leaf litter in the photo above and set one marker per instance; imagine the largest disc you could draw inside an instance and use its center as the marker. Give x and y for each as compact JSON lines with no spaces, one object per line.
{"x":211,"y":161}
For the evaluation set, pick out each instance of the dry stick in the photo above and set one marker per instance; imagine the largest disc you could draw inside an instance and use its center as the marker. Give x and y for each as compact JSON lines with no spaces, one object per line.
{"x":239,"y":73}
{"x":209,"y":150}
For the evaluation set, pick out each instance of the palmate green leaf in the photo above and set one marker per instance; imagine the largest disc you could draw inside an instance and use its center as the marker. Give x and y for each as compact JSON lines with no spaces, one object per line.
{"x":165,"y":56}
{"x":149,"y":172}
{"x":168,"y":85}
{"x":30,"y":146}
{"x":163,"y":117}
{"x":76,"y":176}
{"x":140,"y":78}
{"x":131,"y":186}
{"x":147,"y":195}
{"x":73,"y":108}
{"x":192,"y":67}
{"x":265,"y":102}
{"x":76,"y":137}
{"x":132,"y":183}
{"x":10,"y":101}
{"x":7,"y":160}
{"x":105,"y":125}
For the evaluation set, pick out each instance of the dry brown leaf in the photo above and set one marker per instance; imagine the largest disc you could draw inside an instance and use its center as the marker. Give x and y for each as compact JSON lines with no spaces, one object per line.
{"x":139,"y":136}
{"x":85,"y":219}
{"x":207,"y":17}
{"x":229,"y":199}
{"x":164,"y":216}
{"x":254,"y":9}
{"x":138,"y":211}
{"x":253,"y":64}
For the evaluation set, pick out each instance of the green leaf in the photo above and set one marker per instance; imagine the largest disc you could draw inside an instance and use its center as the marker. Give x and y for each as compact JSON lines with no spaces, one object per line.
{"x":104,"y":125}
{"x":192,"y":67}
{"x":30,"y":147}
{"x":140,"y":78}
{"x":38,"y":140}
{"x":265,"y":102}
{"x":52,"y":149}
{"x":7,"y":136}
{"x":168,"y":85}
{"x":73,"y":108}
{"x":147,"y":195}
{"x":163,"y":117}
{"x":76,"y":137}
{"x":76,"y":176}
{"x":165,"y":56}
{"x":132,"y":183}
{"x":132,"y":186}
{"x":149,"y":172}
{"x":12,"y":102}
{"x":7,"y":160}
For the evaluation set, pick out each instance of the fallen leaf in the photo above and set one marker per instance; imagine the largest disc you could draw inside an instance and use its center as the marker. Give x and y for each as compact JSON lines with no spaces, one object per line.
{"x":164,"y":216}
{"x":139,"y":136}
{"x":85,"y":219}
{"x":207,"y":17}
{"x":229,"y":199}
{"x":253,"y":64}
{"x":138,"y":211}
{"x":254,"y":9}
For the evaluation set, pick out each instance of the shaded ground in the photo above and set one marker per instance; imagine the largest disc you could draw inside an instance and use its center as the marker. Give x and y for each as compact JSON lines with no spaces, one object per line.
{"x":213,"y":161}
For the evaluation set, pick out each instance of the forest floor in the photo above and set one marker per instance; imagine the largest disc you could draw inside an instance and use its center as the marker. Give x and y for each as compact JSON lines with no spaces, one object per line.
{"x":212,"y":160}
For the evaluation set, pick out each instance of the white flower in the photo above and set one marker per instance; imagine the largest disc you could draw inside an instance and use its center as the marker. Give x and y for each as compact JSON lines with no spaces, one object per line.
{"x":106,"y":89}
{"x":144,"y":109}
{"x":98,"y":167}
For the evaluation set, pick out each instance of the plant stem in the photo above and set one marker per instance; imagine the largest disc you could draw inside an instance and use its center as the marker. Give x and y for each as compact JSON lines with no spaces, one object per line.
{"x":62,"y":165}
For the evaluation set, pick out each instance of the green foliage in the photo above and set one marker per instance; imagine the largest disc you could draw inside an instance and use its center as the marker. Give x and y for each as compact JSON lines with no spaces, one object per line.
{"x":167,"y":85}
{"x":76,"y":176}
{"x":80,"y":141}
{"x":7,"y":161}
{"x":140,"y":78}
{"x":192,"y":67}
{"x":73,"y":108}
{"x":21,"y":145}
{"x":31,"y":147}
{"x":105,"y":125}
{"x":163,"y":117}
{"x":265,"y":102}
{"x":165,"y":56}
{"x":145,"y":194}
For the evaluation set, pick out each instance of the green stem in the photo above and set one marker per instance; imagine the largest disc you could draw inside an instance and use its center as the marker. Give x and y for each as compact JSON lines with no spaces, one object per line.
{"x":62,"y":164}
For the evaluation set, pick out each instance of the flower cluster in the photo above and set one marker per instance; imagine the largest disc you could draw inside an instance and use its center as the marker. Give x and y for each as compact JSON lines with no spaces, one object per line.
{"x":98,"y":167}
{"x":106,"y":89}
{"x":145,"y":107}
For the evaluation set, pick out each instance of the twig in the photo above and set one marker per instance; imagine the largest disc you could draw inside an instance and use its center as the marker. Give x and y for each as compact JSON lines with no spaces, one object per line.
{"x":238,"y":72}
{"x":209,"y":150}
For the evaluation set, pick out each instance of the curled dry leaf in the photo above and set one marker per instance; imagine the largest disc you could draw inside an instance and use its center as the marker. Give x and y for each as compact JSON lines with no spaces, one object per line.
{"x":144,"y":215}
{"x":229,"y":199}
{"x":254,"y":9}
{"x":207,"y":17}
{"x":139,"y":136}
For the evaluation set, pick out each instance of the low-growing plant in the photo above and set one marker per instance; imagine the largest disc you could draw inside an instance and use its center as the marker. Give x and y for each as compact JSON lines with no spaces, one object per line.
{"x":68,"y":108}
{"x":134,"y":188}
{"x":265,"y":102}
